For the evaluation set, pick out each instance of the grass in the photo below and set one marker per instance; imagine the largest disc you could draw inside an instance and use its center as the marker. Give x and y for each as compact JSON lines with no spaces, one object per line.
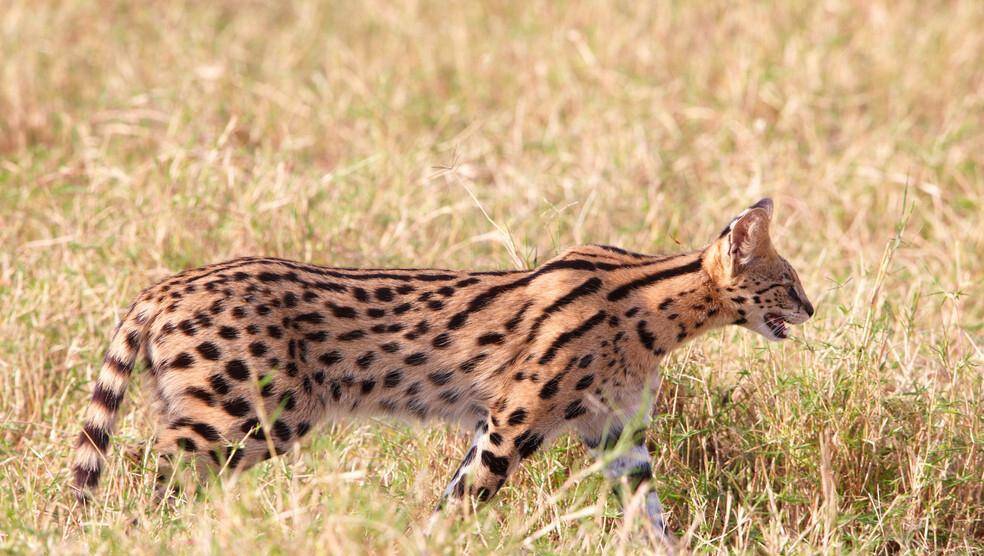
{"x":138,"y":139}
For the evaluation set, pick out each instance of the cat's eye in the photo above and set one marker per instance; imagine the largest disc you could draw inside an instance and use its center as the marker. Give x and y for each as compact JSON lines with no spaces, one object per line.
{"x":792,"y":293}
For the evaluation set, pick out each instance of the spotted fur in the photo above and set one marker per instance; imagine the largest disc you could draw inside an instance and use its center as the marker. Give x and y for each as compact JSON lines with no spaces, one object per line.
{"x":247,"y":356}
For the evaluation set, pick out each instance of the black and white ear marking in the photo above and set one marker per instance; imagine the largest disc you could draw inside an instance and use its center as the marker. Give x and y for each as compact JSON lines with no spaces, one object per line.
{"x":748,"y":233}
{"x":764,"y":204}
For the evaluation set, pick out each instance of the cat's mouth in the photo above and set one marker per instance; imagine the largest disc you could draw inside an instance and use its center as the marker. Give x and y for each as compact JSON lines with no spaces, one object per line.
{"x":777,"y":325}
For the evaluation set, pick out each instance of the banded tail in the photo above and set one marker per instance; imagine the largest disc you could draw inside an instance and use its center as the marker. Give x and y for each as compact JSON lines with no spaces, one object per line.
{"x":114,"y":376}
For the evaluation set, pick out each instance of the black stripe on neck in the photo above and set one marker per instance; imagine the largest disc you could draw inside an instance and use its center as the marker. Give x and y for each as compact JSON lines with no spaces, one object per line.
{"x":624,"y":290}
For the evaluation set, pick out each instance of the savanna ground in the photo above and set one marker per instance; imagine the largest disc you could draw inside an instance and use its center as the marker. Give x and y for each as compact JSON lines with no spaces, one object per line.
{"x":141,"y":138}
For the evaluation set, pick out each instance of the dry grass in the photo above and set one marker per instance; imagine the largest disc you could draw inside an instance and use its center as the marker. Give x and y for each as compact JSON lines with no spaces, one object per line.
{"x":140,"y":138}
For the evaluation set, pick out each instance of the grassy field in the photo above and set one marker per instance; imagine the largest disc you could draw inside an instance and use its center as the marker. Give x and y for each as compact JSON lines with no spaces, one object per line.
{"x":141,"y":138}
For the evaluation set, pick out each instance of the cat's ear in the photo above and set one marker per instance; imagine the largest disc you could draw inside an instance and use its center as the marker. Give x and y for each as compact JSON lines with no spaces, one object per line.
{"x":764,"y":204}
{"x":744,"y":239}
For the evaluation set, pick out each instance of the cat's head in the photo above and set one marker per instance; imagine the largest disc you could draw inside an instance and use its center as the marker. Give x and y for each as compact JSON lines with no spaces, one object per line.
{"x":763,"y":288}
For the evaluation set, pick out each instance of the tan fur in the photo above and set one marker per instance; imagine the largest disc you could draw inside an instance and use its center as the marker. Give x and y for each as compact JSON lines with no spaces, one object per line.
{"x":246,"y":356}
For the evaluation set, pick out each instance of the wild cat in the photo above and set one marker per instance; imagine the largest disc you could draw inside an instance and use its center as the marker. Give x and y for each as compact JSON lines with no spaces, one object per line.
{"x":246,"y":356}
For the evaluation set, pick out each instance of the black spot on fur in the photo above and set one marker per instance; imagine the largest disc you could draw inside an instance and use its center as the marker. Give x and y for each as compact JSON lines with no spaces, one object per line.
{"x":330,"y":358}
{"x":233,"y":455}
{"x":469,"y":365}
{"x":392,"y":379}
{"x":574,"y":410}
{"x":237,"y":369}
{"x":209,"y":351}
{"x":365,"y":360}
{"x":186,"y":444}
{"x":287,"y":401}
{"x":440,"y":378}
{"x":187,"y":327}
{"x":551,"y":388}
{"x":390,"y":347}
{"x":218,"y":384}
{"x":253,"y":425}
{"x":449,"y":397}
{"x":498,"y":465}
{"x":517,"y":417}
{"x":442,"y":340}
{"x":419,"y":330}
{"x":237,"y":407}
{"x":351,"y":335}
{"x":313,"y":318}
{"x":342,"y":312}
{"x":318,"y":336}
{"x":415,"y":359}
{"x":281,"y":430}
{"x":584,"y":383}
{"x":384,"y":294}
{"x":491,"y":338}
{"x":528,"y":443}
{"x":646,"y":337}
{"x":206,"y":431}
{"x":182,"y":360}
{"x":257,"y":349}
{"x":418,"y":408}
{"x":266,"y":386}
{"x":200,"y":394}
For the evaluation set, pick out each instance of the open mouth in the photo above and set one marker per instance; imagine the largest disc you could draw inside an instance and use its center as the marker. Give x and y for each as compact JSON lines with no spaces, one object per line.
{"x":777,"y":325}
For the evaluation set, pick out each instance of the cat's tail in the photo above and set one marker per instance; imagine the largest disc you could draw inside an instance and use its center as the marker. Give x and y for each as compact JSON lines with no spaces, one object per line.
{"x":129,"y":340}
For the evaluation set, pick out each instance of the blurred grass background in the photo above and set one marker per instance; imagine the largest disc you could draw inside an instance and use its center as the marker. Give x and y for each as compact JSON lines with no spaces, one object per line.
{"x":141,"y":138}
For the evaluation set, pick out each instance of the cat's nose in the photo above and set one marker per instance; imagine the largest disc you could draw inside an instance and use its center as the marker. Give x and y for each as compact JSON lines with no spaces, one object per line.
{"x":808,"y":307}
